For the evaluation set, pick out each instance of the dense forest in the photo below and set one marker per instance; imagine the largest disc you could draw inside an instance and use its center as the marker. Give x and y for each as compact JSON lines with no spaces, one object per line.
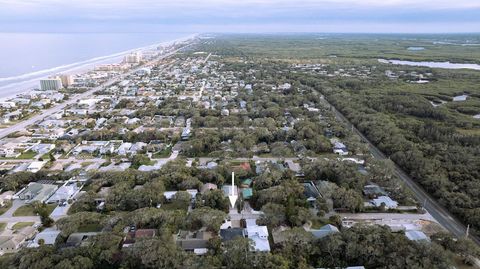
{"x":423,"y":140}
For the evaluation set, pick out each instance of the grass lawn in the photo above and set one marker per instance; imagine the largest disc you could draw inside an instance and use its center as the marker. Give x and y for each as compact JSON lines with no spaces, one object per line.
{"x":27,"y":210}
{"x":2,"y":226}
{"x":27,"y":155}
{"x":317,"y":224}
{"x":85,"y":164}
{"x":459,"y":263}
{"x":46,"y":156}
{"x":20,"y":225}
{"x":173,"y":206}
{"x":162,"y":154}
{"x":92,"y":227}
{"x":5,"y":208}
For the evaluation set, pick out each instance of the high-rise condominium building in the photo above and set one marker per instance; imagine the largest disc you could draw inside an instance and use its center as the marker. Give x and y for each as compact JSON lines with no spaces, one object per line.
{"x":50,"y":84}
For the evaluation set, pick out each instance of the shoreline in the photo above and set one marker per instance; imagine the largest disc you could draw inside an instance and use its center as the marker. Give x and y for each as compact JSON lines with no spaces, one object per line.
{"x":13,"y":89}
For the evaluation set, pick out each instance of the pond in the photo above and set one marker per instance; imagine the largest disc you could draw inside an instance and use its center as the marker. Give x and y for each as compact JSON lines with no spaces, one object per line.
{"x":446,"y":65}
{"x":416,"y":48}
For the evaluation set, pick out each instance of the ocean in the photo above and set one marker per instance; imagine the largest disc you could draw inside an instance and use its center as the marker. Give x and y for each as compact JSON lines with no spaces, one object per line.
{"x":27,"y":57}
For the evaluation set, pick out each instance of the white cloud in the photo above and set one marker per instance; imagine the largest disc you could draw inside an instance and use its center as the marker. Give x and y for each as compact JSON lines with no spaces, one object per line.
{"x":116,"y":4}
{"x":241,"y":12}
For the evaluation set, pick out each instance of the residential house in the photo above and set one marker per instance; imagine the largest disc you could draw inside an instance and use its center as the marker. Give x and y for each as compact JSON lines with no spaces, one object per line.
{"x":12,"y":116}
{"x":414,"y":235}
{"x":65,"y":192}
{"x":324,"y":231}
{"x":294,"y":167}
{"x":258,"y":234}
{"x":42,"y":148}
{"x":340,"y":149}
{"x":7,"y":105}
{"x":13,"y":242}
{"x":384,"y":201}
{"x":132,"y":236}
{"x":208,"y":186}
{"x":45,"y":237}
{"x":79,"y":239}
{"x":247,"y":193}
{"x":170,"y":195}
{"x":36,"y":166}
{"x":36,"y":191}
{"x":124,"y":148}
{"x":6,"y":197}
{"x":227,"y":190}
{"x":310,"y":192}
{"x":373,"y":191}
{"x":196,"y":242}
{"x":231,"y":233}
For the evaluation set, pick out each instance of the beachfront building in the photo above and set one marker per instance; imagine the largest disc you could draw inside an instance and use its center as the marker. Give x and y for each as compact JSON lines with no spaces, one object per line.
{"x":67,"y":80}
{"x":50,"y":84}
{"x":133,"y":58}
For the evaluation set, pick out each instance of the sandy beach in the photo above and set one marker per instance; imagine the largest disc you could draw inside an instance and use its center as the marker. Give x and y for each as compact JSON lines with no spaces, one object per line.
{"x":28,"y":82}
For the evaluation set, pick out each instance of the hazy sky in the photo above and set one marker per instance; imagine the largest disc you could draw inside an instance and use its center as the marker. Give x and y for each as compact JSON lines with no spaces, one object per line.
{"x":240,"y":15}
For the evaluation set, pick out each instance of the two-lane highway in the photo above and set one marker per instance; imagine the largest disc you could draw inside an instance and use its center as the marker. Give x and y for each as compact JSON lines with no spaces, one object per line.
{"x":438,"y":211}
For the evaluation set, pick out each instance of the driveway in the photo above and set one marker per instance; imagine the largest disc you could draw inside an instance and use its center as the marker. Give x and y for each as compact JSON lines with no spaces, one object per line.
{"x":20,"y":219}
{"x":60,"y":212}
{"x":15,"y":205}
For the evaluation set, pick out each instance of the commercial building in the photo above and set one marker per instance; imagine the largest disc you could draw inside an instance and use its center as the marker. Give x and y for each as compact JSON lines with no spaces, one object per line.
{"x":67,"y":80}
{"x":50,"y":84}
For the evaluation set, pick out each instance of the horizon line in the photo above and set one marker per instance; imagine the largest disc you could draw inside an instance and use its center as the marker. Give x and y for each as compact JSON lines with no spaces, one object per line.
{"x":222,"y":32}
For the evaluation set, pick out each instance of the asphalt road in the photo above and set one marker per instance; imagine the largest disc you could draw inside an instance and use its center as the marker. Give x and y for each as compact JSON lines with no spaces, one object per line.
{"x":439,"y":212}
{"x":22,"y":125}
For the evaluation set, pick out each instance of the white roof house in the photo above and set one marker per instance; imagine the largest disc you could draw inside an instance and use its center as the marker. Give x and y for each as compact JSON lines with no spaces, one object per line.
{"x":389,"y":203}
{"x":258,"y":234}
{"x":124,"y":147}
{"x":6,"y":196}
{"x":45,"y":237}
{"x":35,"y":166}
{"x":460,"y":98}
{"x":88,"y":102}
{"x":169,"y":195}
{"x":42,"y":148}
{"x":295,"y":167}
{"x":341,"y":152}
{"x":416,"y":235}
{"x":65,"y":192}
